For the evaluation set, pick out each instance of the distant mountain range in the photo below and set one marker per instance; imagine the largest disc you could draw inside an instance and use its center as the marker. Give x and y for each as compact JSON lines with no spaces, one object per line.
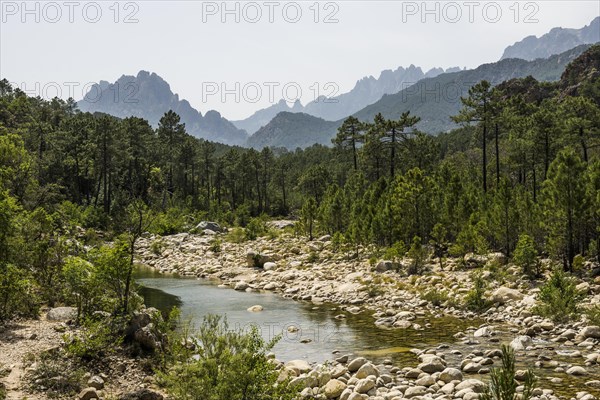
{"x":557,"y":41}
{"x":366,"y":91}
{"x":433,"y":96}
{"x":149,"y":96}
{"x":432,"y":99}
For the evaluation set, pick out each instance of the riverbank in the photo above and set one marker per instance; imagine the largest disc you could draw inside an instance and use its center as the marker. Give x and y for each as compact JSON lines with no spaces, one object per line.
{"x":26,"y":350}
{"x":565,"y":357}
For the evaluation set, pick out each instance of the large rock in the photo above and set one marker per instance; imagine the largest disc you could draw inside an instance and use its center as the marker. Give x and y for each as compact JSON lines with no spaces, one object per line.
{"x":256,"y":308}
{"x":591,"y":331}
{"x":473,"y":260}
{"x":88,"y":394}
{"x":146,"y":338}
{"x":140,"y":319}
{"x":268,"y":266}
{"x":300,"y":365}
{"x":61,"y":314}
{"x":96,"y":382}
{"x":577,"y":371}
{"x":241,"y":286}
{"x":364,"y":385}
{"x":366,"y":370}
{"x":281,"y":224}
{"x":451,"y":374}
{"x":503,"y":295}
{"x":338,"y":371}
{"x":355,"y":364}
{"x":483,"y":332}
{"x":474,"y":384}
{"x":384,"y":265}
{"x":212,"y":226}
{"x":333,"y":388}
{"x":520,"y":343}
{"x":415,"y":391}
{"x":431,"y":364}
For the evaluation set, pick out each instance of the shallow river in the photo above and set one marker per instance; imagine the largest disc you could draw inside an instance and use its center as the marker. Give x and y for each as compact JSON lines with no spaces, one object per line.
{"x":317,"y":324}
{"x":325,"y":334}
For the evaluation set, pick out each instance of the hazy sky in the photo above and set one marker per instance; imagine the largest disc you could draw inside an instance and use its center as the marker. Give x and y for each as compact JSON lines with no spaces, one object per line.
{"x":273,"y":45}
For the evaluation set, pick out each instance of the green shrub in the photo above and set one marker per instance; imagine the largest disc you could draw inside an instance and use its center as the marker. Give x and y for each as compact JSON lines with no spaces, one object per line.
{"x":374,"y":290}
{"x":157,"y":246}
{"x":503,"y":385}
{"x":242,"y":215}
{"x":558,"y":298}
{"x":95,"y":340}
{"x":236,"y":235}
{"x":578,"y":261}
{"x":215,"y":246}
{"x":475,"y":299}
{"x":313,"y":257}
{"x":256,"y":227}
{"x":81,"y":285}
{"x":395,"y":252}
{"x":90,"y":237}
{"x":55,"y":376}
{"x":417,"y":253}
{"x":525,"y":256}
{"x":94,"y":217}
{"x":18,"y":297}
{"x":217,"y":363}
{"x":337,"y":241}
{"x":435,"y":297}
{"x":593,"y":314}
{"x":174,"y":220}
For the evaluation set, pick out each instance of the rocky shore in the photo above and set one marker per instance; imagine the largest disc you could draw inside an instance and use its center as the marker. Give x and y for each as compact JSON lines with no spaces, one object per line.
{"x":566,"y":358}
{"x":24,"y":349}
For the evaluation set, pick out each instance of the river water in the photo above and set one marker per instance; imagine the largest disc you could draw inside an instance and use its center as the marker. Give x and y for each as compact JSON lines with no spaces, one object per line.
{"x":319,"y":333}
{"x":326,"y":333}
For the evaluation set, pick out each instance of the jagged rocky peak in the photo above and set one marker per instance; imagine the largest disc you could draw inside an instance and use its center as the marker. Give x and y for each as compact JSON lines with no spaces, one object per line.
{"x":556,"y":41}
{"x":147,"y":95}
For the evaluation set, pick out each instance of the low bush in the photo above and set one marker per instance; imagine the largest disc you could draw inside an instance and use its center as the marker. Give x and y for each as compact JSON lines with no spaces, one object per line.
{"x":236,"y":235}
{"x":19,"y":298}
{"x":55,"y":375}
{"x":215,"y":246}
{"x":95,"y":340}
{"x":418,"y":254}
{"x":217,"y":363}
{"x":435,"y":297}
{"x":525,"y":256}
{"x":503,"y":385}
{"x":475,"y":299}
{"x":593,"y":314}
{"x":174,"y":220}
{"x":257,"y":227}
{"x":558,"y":298}
{"x":157,"y":246}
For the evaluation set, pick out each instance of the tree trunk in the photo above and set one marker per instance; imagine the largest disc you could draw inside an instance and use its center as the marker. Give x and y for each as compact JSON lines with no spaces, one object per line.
{"x":484,"y":158}
{"x":393,"y":152}
{"x":497,"y":157}
{"x":354,"y":154}
{"x":583,"y":145}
